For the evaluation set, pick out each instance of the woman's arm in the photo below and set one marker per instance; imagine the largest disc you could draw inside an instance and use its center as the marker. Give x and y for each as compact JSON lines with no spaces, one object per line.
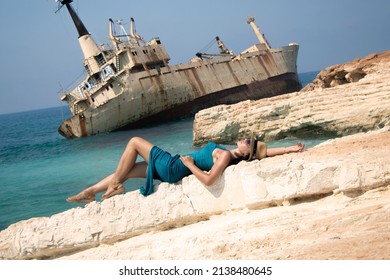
{"x":281,"y":151}
{"x":216,"y":171}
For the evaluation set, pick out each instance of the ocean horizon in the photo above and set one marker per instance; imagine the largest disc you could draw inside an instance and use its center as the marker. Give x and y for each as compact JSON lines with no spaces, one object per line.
{"x":39,"y":168}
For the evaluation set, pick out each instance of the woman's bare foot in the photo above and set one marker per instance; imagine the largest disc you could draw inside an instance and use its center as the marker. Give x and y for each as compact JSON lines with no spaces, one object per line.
{"x":297,"y":148}
{"x":114,"y":189}
{"x":83,"y":197}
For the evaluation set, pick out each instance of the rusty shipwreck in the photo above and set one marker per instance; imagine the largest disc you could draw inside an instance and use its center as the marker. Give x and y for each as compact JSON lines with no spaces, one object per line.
{"x":129,"y":83}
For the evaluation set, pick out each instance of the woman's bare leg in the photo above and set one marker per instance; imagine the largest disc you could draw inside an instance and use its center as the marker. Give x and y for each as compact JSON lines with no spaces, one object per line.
{"x":127,"y":168}
{"x":136,"y":146}
{"x":88,"y":195}
{"x":281,"y":151}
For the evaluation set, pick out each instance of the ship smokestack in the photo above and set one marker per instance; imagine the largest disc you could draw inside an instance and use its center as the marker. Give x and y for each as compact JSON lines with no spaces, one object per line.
{"x":93,"y":57}
{"x":81,"y":29}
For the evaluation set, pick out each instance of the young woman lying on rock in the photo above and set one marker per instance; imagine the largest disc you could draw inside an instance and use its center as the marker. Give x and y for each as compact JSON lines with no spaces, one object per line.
{"x":159,"y":164}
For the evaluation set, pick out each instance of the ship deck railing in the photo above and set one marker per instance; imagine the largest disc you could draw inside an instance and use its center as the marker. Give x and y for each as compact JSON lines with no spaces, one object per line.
{"x":74,"y":84}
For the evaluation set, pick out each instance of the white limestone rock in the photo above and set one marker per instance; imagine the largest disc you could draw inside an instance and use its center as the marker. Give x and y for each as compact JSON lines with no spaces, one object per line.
{"x":351,"y":164}
{"x":319,"y":109}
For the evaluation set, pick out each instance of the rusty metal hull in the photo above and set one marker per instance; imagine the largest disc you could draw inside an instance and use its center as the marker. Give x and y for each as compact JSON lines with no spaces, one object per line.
{"x":173,"y":92}
{"x":257,"y":90}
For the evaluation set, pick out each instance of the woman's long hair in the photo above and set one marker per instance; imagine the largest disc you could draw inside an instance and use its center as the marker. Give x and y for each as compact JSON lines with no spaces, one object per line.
{"x":236,"y":160}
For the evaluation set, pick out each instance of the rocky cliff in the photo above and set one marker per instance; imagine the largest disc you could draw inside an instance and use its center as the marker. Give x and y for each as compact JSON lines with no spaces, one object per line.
{"x":348,"y":178}
{"x":344,"y":99}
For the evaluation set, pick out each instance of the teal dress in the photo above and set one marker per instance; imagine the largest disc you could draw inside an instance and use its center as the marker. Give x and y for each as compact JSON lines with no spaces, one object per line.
{"x":167,"y":168}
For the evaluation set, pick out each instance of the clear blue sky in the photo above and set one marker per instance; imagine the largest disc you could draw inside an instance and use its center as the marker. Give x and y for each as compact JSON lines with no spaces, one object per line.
{"x":40,"y":52}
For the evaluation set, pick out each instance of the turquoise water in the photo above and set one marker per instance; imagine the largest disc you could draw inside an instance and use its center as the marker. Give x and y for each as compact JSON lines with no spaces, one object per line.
{"x":39,"y":169}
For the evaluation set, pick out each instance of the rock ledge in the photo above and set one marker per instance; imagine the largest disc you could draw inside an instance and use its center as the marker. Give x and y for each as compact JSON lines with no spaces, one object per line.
{"x":351,"y":165}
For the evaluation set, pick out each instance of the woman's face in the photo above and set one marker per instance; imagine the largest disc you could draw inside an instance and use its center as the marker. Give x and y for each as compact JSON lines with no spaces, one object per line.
{"x":244,"y":146}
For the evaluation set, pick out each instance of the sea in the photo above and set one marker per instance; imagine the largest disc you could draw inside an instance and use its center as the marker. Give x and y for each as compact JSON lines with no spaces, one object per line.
{"x":39,"y":168}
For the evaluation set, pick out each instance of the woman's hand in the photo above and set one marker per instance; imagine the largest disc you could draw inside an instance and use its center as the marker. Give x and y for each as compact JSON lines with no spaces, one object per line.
{"x":187,"y":160}
{"x":214,"y":173}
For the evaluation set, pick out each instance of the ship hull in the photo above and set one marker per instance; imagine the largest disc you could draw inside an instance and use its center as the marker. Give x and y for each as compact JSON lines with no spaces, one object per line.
{"x":182,"y":90}
{"x":262,"y":89}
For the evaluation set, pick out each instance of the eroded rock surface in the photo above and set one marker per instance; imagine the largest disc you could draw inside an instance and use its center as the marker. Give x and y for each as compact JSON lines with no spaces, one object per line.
{"x":351,"y":165}
{"x":324,"y":110}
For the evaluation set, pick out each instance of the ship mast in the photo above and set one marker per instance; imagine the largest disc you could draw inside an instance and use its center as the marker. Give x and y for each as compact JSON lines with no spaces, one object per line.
{"x":93,"y":57}
{"x":251,"y":22}
{"x":133,"y":39}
